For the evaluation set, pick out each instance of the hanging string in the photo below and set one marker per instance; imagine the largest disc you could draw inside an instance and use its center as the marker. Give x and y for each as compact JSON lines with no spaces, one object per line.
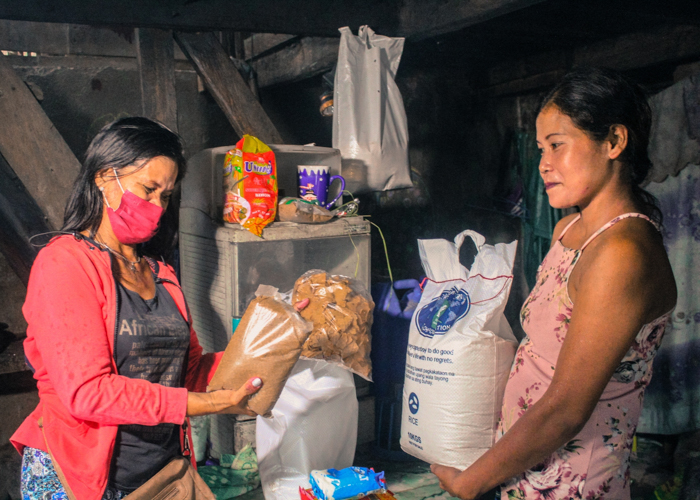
{"x":386,"y":252}
{"x":39,"y":245}
{"x":352,"y":208}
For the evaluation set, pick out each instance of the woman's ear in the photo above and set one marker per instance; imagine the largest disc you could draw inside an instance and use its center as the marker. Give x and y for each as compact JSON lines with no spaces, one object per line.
{"x":618,"y":138}
{"x":101,"y":178}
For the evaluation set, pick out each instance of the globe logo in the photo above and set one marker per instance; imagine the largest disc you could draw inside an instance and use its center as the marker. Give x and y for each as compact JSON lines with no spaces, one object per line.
{"x":413,"y":403}
{"x":440,"y":314}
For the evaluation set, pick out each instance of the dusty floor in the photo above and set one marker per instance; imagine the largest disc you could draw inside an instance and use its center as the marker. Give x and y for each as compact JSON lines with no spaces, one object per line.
{"x":651,"y":471}
{"x":412,"y":480}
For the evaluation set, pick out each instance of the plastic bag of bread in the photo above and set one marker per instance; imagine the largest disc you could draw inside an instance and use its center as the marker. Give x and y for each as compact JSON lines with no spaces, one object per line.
{"x":340,"y":309}
{"x":267,"y":344}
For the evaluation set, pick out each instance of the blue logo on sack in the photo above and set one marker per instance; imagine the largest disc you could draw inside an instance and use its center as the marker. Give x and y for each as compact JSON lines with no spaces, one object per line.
{"x":438,"y":316}
{"x":413,"y":403}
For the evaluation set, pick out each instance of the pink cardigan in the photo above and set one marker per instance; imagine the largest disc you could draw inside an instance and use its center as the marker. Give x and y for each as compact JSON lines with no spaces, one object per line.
{"x":71,"y":313}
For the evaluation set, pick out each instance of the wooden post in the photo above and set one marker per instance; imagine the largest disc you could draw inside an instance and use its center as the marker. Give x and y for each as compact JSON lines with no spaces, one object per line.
{"x":227,"y":86}
{"x":156,"y":59}
{"x":33,"y":148}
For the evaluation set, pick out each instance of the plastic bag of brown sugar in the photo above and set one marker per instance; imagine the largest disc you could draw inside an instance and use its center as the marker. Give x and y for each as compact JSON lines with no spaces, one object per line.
{"x":266,"y":344}
{"x":340,"y":309}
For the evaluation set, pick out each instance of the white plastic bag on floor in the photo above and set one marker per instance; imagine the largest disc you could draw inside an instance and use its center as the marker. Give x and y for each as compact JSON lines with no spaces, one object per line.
{"x":369,"y":120}
{"x":460,"y":350}
{"x":313,"y":426}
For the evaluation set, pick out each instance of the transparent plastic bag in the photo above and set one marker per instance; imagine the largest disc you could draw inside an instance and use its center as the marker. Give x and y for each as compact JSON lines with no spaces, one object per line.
{"x":341,"y":312}
{"x":302,"y":211}
{"x":267,"y":344}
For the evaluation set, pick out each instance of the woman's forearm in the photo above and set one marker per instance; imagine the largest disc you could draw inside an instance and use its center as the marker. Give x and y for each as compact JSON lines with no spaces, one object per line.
{"x":542,"y":430}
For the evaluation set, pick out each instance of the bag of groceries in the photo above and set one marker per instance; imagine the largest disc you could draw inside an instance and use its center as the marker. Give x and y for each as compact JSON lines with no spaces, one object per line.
{"x":340,"y":310}
{"x":460,"y":350}
{"x":267,"y":343}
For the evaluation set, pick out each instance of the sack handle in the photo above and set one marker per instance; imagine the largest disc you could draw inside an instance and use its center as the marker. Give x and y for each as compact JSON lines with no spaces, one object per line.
{"x":476,"y":238}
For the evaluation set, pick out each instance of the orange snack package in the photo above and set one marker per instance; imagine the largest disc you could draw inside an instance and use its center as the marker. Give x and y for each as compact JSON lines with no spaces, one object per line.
{"x":250,"y":185}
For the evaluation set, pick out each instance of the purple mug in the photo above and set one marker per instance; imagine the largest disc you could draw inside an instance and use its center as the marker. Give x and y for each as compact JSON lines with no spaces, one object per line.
{"x":314,"y":181}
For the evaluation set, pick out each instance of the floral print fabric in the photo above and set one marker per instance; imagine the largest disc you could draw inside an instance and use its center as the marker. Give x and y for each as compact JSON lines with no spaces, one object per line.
{"x":595,"y":464}
{"x":672,"y":399}
{"x":40,"y":482}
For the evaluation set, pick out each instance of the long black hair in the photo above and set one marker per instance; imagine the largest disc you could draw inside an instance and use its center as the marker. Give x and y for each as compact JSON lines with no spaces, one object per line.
{"x":122,"y":143}
{"x":596,"y":99}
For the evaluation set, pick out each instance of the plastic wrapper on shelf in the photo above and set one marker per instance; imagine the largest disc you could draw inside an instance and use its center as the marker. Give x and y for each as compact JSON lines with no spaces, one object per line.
{"x":351,"y":482}
{"x":340,"y":309}
{"x":250,"y":185}
{"x":266,"y":344}
{"x":302,"y":211}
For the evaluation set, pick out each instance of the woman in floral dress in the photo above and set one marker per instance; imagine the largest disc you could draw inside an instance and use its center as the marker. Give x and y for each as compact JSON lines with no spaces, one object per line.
{"x":596,"y":316}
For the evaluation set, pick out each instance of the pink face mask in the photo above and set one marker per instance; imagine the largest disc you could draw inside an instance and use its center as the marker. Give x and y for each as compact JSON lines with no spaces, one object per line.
{"x":136,"y":220}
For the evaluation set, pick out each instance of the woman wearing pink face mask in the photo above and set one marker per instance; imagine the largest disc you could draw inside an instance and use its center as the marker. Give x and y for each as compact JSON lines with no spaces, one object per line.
{"x":117,"y":363}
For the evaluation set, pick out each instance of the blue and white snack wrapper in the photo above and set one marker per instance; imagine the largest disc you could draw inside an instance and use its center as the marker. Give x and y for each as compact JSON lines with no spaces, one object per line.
{"x":351,"y":482}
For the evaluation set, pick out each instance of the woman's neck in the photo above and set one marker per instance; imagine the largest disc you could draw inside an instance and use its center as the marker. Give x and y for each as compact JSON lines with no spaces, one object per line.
{"x":605,"y":206}
{"x":106,"y":237}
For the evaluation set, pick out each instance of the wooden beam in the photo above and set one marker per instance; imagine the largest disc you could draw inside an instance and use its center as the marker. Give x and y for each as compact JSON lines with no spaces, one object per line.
{"x":409,"y":18}
{"x":304,"y":58}
{"x":20,"y":218}
{"x":227,"y":86}
{"x":639,"y":50}
{"x":33,"y":147}
{"x":665,"y":44}
{"x":420,"y":19}
{"x":258,"y":44}
{"x":310,"y":17}
{"x":156,"y":60}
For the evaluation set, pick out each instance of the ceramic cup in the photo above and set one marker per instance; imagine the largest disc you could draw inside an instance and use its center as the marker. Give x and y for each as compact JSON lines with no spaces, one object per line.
{"x":314,"y":181}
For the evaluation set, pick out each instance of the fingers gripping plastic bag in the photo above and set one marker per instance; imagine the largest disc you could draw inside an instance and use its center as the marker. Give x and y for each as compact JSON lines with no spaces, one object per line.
{"x":340,"y":309}
{"x":369,"y":120}
{"x":267,"y":344}
{"x":460,"y":350}
{"x":250,"y":185}
{"x":314,"y":426}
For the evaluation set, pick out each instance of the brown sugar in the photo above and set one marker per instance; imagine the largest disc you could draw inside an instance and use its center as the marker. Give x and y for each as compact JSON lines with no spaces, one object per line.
{"x":266,"y":344}
{"x":340,"y":309}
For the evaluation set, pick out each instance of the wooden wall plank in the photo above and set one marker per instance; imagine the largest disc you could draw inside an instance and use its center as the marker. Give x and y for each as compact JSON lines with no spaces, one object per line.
{"x":73,"y":39}
{"x":154,"y":48}
{"x":33,"y":147}
{"x":44,"y":38}
{"x":227,"y":86}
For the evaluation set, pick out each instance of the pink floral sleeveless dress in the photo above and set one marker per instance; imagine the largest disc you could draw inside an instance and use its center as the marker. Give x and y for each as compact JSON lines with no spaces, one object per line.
{"x":595,"y":464}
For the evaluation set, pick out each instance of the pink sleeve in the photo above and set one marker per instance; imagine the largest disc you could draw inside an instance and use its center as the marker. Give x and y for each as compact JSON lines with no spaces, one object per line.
{"x":66,"y":313}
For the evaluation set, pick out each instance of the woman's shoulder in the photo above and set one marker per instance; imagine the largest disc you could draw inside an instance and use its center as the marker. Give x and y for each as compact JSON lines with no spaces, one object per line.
{"x":634,"y":249}
{"x":67,"y":252}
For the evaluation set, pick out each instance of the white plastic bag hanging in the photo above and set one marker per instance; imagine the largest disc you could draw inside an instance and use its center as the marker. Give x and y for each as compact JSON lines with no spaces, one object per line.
{"x":369,"y":121}
{"x":460,"y":350}
{"x":313,"y":426}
